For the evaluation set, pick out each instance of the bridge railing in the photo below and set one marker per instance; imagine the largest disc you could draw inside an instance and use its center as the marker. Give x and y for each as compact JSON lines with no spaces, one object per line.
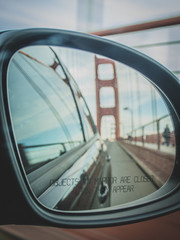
{"x":152,"y":133}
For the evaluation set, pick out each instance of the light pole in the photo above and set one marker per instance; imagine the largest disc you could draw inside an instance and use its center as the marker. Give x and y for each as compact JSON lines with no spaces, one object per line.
{"x":132,"y":125}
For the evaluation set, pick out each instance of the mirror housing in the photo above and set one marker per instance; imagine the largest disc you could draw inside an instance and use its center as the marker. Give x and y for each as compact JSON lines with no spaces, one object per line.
{"x":17,"y":204}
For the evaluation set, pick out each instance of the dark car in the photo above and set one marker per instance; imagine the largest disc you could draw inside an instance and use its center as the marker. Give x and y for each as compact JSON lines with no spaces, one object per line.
{"x":60,"y":148}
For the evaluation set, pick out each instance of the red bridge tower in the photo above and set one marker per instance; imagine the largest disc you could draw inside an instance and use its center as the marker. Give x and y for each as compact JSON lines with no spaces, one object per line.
{"x":107,"y":111}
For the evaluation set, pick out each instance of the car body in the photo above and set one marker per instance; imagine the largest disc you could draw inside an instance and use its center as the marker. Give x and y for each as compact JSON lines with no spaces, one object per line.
{"x":65,"y":159}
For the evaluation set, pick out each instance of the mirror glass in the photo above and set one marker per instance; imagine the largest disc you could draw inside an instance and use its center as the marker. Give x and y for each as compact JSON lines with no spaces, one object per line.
{"x":91,"y":132}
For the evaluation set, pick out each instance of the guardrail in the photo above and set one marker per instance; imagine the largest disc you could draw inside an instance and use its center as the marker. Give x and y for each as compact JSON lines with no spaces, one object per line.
{"x":153,"y":133}
{"x":140,"y":27}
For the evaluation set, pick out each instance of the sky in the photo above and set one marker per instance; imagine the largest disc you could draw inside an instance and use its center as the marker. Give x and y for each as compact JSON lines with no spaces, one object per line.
{"x":75,"y":14}
{"x":93,"y":15}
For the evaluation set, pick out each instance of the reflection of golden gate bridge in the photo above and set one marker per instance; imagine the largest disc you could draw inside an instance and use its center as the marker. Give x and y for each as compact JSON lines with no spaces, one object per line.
{"x":147,"y":148}
{"x":155,"y":138}
{"x":104,"y":111}
{"x":137,"y":135}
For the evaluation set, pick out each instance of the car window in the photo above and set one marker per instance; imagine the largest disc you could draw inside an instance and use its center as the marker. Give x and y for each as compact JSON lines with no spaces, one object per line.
{"x":89,"y":128}
{"x":44,"y":115}
{"x":86,"y":119}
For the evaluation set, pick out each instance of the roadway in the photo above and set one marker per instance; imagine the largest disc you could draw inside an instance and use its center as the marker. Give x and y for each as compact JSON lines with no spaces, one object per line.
{"x":128,"y":181}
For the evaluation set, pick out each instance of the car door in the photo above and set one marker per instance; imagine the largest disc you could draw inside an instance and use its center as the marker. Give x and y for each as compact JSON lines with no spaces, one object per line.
{"x":61,"y":152}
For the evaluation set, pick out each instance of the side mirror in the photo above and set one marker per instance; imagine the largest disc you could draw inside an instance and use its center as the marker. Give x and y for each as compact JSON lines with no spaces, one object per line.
{"x":89,"y":131}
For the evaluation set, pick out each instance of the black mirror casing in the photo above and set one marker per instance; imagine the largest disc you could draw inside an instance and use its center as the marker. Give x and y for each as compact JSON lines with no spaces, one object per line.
{"x":17,"y":203}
